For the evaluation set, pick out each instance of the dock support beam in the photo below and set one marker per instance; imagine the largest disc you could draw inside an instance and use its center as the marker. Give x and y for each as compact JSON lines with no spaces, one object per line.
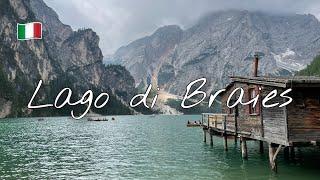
{"x":225,"y":137}
{"x":225,"y":142}
{"x":261,"y":148}
{"x":244,"y":151}
{"x":204,"y":135}
{"x":211,"y":138}
{"x":273,"y":152}
{"x":292,"y":153}
{"x":286,"y":153}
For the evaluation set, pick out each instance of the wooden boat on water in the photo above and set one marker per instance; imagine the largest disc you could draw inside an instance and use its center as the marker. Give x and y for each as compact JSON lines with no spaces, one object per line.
{"x":194,"y":124}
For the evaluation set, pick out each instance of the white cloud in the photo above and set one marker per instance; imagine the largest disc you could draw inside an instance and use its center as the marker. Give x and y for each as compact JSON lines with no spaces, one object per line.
{"x":119,"y":22}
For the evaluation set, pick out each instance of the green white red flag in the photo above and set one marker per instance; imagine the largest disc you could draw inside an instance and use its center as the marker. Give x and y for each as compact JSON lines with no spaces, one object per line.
{"x":29,"y":31}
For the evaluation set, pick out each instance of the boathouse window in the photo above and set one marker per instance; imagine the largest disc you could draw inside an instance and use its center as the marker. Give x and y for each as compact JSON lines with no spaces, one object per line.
{"x":252,"y":95}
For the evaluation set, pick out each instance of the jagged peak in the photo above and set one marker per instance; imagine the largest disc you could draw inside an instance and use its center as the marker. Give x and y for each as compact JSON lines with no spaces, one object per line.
{"x":50,"y":19}
{"x":168,"y":32}
{"x":246,"y":13}
{"x":168,"y":29}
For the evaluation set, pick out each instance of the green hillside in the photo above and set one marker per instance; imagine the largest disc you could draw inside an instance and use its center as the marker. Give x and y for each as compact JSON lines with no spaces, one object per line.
{"x":312,"y":69}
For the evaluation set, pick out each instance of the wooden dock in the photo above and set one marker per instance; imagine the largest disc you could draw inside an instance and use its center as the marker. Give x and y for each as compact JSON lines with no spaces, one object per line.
{"x":225,"y":126}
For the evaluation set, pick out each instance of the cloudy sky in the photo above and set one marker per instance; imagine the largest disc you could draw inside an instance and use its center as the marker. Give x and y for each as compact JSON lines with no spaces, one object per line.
{"x":119,"y":22}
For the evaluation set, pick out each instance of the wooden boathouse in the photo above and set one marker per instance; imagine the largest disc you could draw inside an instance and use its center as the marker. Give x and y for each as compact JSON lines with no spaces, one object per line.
{"x":297,"y":124}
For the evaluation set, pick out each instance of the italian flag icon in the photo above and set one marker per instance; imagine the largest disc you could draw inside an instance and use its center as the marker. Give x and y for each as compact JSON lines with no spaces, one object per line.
{"x":29,"y":31}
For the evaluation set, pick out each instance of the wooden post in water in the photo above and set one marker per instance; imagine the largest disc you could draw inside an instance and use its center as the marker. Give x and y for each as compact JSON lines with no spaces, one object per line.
{"x":211,"y":138}
{"x":204,"y":135}
{"x":292,"y":153}
{"x":261,"y":147}
{"x":236,"y":124}
{"x":273,"y":152}
{"x":244,"y":151}
{"x":272,"y":163}
{"x":225,"y":142}
{"x":286,"y":152}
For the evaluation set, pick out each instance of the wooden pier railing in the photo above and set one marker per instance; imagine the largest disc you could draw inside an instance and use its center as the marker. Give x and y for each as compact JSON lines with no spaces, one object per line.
{"x":218,"y":121}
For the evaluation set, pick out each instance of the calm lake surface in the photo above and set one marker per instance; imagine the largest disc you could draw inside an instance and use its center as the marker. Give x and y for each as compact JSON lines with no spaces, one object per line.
{"x":133,"y":147}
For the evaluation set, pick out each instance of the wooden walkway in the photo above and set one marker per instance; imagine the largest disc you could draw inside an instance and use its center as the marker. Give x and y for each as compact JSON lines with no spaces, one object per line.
{"x":217,"y":124}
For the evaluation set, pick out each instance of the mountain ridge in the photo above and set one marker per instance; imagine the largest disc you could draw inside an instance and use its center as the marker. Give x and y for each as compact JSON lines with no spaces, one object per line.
{"x":221,"y":44}
{"x":63,"y":58}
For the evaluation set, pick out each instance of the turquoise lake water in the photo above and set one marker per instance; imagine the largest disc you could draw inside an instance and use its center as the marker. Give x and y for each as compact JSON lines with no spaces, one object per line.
{"x":134,"y":147}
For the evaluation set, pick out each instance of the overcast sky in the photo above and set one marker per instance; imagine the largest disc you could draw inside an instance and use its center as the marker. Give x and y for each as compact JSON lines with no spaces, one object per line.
{"x":118,"y":22}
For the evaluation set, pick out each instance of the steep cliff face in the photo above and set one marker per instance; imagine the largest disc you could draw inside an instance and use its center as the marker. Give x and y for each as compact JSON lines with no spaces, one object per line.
{"x":222,"y":44}
{"x":145,"y":56}
{"x":63,"y":58}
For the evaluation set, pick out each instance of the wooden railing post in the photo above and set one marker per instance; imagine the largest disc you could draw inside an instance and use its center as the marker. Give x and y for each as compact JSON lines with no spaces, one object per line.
{"x":215,"y":121}
{"x":202,"y":119}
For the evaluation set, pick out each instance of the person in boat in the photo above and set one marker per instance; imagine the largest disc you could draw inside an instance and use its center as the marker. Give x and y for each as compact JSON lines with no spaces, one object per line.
{"x":188,"y":122}
{"x":195,"y":122}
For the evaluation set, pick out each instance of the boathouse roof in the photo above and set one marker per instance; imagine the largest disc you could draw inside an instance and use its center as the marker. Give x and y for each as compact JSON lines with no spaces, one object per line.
{"x":284,"y":82}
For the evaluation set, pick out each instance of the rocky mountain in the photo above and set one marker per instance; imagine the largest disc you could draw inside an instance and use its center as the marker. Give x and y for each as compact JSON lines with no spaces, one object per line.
{"x":63,"y":58}
{"x":219,"y":45}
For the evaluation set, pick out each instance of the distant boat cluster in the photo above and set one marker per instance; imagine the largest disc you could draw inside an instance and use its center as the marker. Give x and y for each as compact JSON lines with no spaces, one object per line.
{"x":100,"y":119}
